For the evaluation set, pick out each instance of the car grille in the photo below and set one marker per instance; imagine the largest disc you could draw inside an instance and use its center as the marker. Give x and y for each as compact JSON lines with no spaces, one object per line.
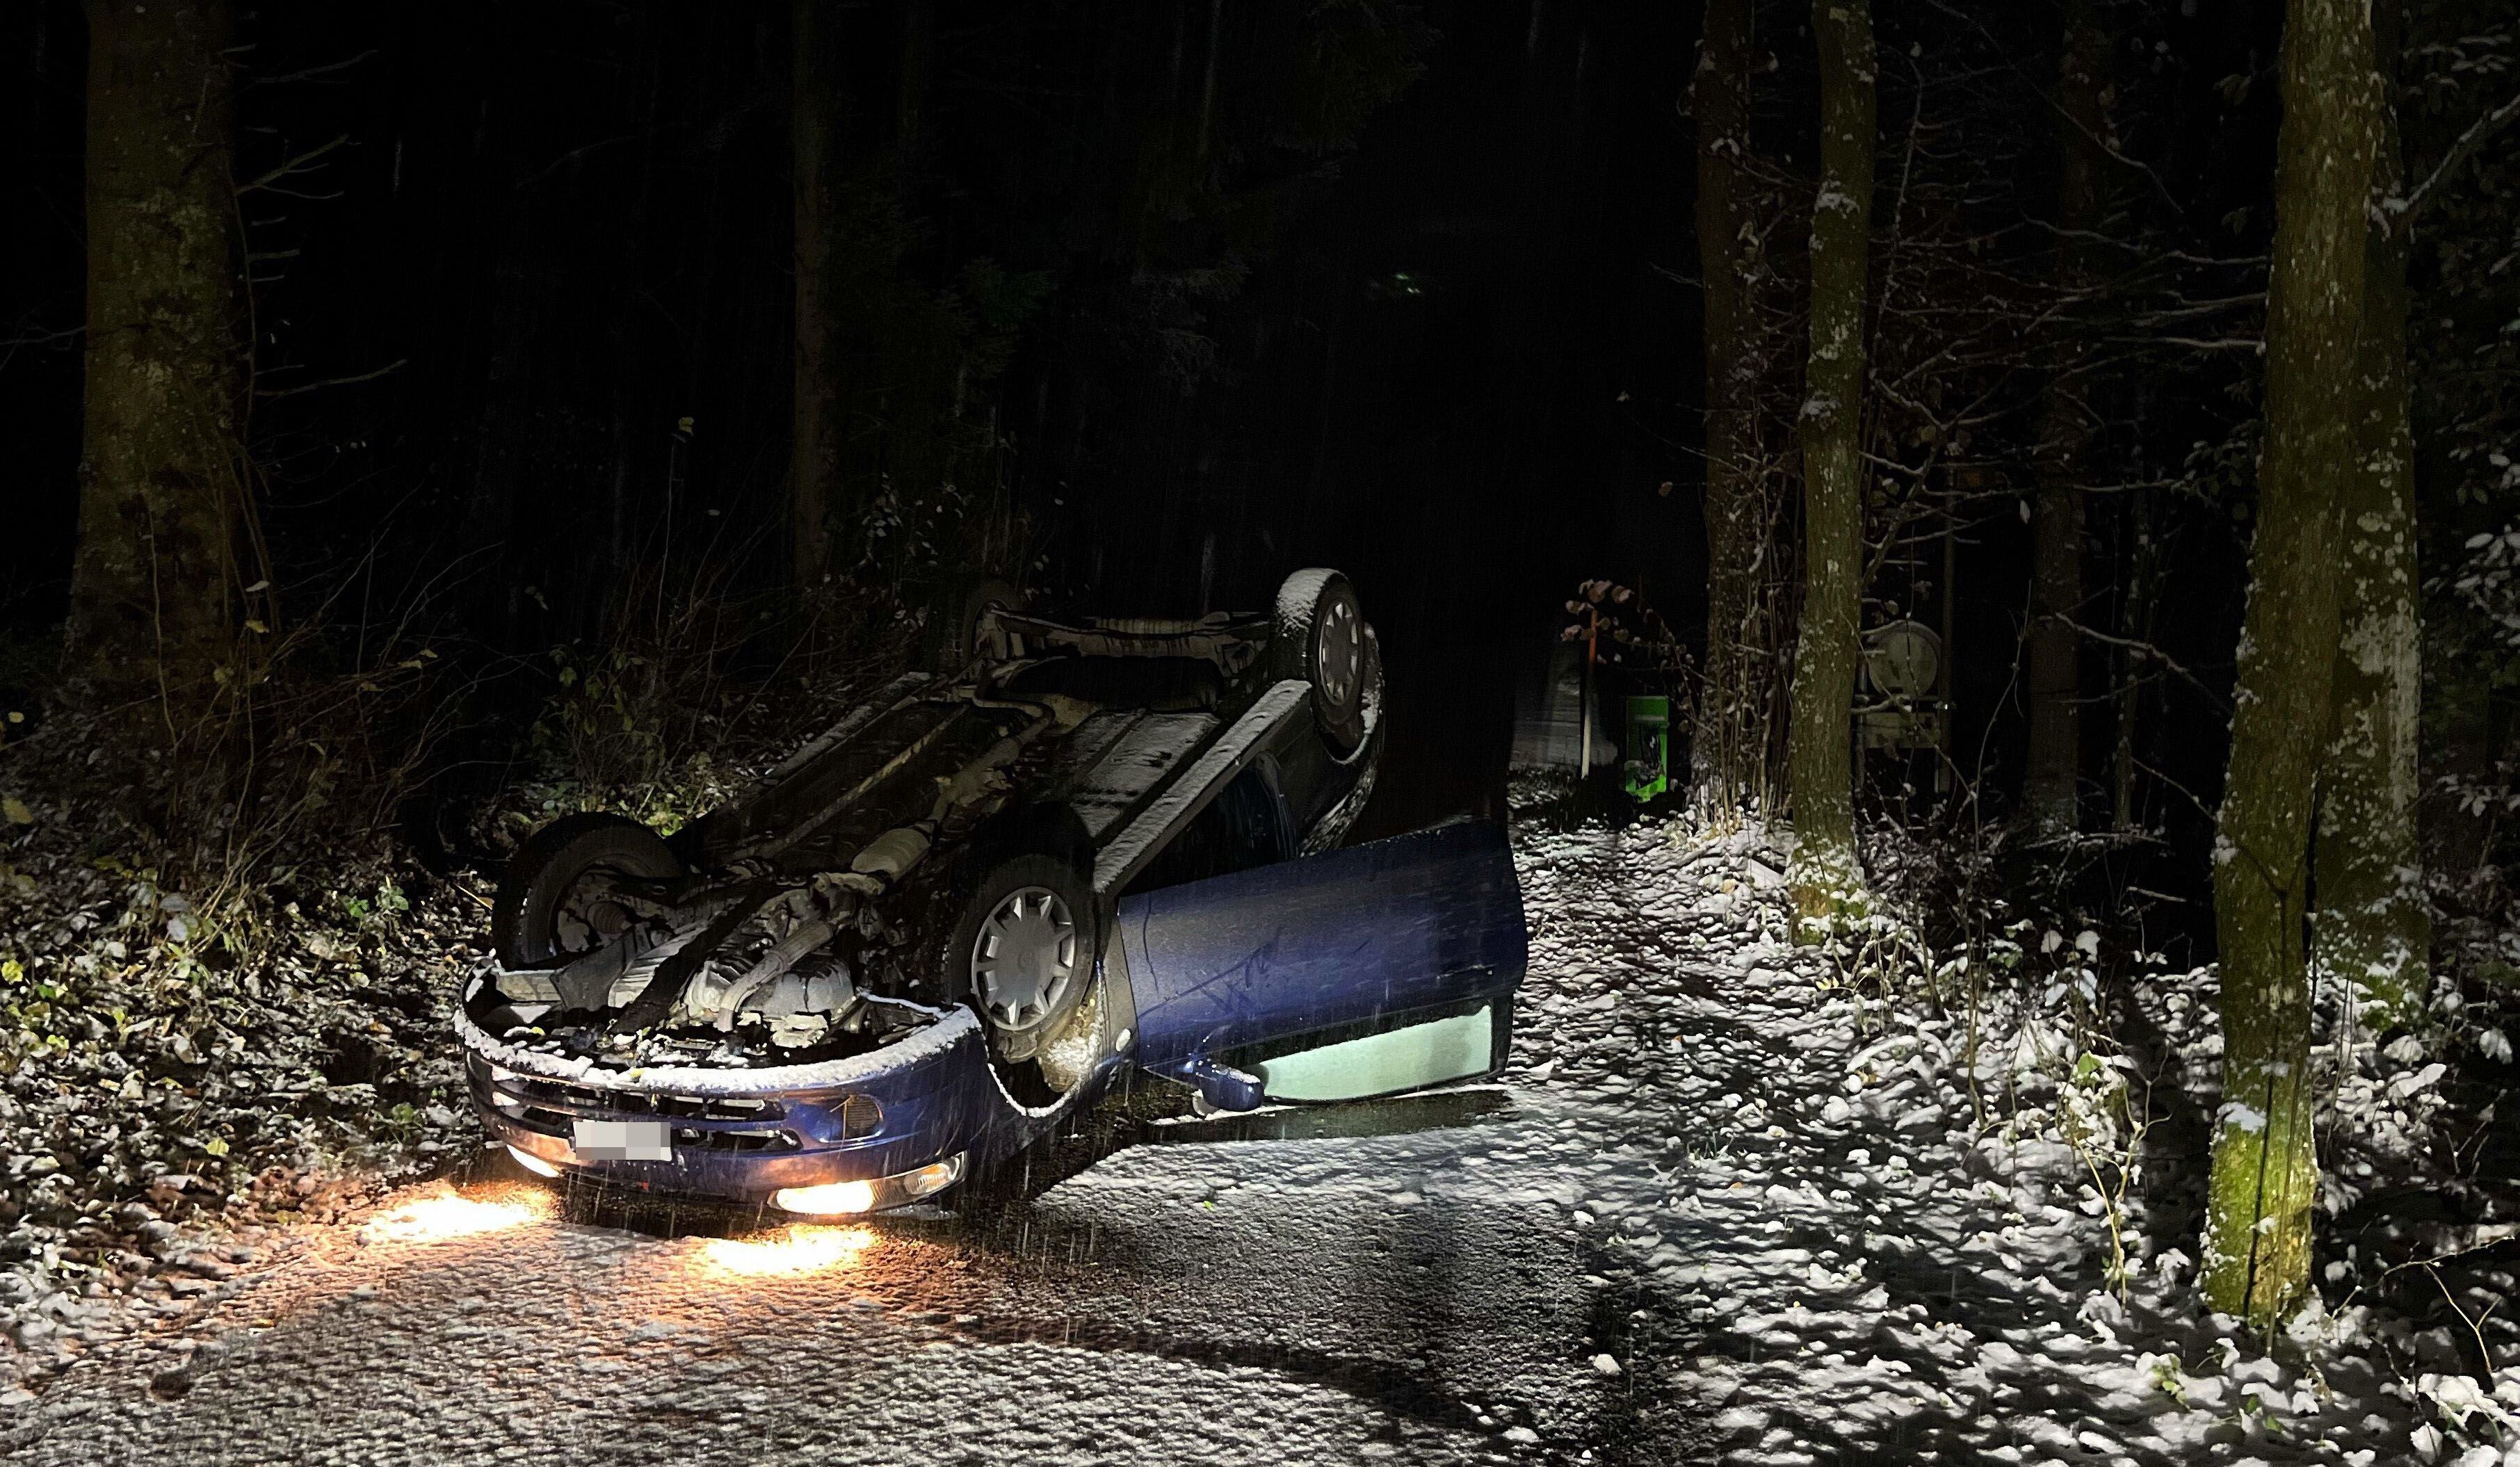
{"x":551,"y":1108}
{"x":553,"y":1122}
{"x":736,"y":1140}
{"x":597,"y":1100}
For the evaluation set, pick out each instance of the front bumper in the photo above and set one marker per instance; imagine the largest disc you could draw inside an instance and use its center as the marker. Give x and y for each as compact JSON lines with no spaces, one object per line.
{"x":744,"y":1136}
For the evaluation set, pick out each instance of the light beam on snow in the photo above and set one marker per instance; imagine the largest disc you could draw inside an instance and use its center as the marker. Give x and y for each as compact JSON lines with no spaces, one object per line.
{"x":434,"y":1220}
{"x":801,"y":1248}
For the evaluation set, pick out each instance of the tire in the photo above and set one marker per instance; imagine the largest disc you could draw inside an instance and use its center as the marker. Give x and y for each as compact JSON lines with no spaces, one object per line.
{"x":1022,"y":952}
{"x":554,"y":897}
{"x":954,"y":622}
{"x":1322,"y":639}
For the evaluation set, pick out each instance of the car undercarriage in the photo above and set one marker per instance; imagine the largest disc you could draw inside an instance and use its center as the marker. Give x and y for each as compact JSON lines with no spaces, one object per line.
{"x":958,"y":840}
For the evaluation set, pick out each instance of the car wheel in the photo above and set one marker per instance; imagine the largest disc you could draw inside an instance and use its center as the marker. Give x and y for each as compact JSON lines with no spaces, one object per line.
{"x":955,"y":635}
{"x":1023,"y":949}
{"x":1321,"y":640}
{"x":565,"y":890}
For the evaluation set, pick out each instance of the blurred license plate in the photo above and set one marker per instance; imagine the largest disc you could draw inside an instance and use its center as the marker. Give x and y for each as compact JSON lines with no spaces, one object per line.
{"x":623,"y":1140}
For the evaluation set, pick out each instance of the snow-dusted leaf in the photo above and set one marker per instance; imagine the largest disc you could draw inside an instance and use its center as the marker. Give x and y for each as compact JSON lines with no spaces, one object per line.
{"x":2417,"y":1079}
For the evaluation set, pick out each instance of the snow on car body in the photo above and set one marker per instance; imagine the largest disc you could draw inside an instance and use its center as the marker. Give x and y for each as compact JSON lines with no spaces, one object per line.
{"x":963,"y":912}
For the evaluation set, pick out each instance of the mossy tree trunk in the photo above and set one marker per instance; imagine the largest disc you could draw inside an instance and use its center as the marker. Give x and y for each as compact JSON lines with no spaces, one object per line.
{"x":156,"y":598}
{"x":817,"y":437}
{"x":2373,"y":931}
{"x":2053,"y":783}
{"x":1826,"y":878}
{"x":1728,"y":752}
{"x":2265,"y":1158}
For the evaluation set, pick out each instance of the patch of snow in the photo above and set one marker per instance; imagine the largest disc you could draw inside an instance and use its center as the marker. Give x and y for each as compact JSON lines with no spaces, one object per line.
{"x":922,"y":1047}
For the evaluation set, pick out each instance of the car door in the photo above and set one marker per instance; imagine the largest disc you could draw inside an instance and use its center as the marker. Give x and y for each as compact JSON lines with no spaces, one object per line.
{"x":1373,"y":970}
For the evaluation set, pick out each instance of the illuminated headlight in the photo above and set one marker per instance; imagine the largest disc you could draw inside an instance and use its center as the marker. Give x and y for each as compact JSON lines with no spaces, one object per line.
{"x":835,"y":1199}
{"x":829,"y":1200}
{"x":533,"y":1163}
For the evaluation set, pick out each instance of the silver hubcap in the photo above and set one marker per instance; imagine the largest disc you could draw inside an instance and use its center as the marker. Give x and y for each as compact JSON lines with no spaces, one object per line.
{"x":1339,"y":652}
{"x":1024,"y":958}
{"x":590,"y":914}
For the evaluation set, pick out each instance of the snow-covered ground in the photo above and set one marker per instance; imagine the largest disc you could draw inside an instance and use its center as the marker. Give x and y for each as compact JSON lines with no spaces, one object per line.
{"x":1859,"y":1257}
{"x":1728,"y":1207}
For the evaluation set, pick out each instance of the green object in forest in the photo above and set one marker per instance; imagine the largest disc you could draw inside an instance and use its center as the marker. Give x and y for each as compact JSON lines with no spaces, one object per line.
{"x":1648,"y":743}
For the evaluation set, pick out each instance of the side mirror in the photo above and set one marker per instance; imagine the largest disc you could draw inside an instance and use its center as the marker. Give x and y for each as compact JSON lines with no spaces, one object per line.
{"x":1222,"y":1086}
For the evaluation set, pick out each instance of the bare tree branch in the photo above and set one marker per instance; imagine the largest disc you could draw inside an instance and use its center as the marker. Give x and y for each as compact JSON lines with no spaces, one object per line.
{"x":2198,"y":343}
{"x":2142,"y":648}
{"x":2478,"y":134}
{"x":337,"y":381}
{"x":313,"y":71}
{"x":296,"y":165}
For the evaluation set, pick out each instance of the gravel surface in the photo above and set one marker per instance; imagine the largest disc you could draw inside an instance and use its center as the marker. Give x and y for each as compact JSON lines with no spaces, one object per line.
{"x":1725,"y":1207}
{"x":1430,"y":1295}
{"x":883,"y":1343}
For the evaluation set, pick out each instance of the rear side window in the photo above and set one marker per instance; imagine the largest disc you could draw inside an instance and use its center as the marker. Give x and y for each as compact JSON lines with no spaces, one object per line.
{"x":1244,"y":826}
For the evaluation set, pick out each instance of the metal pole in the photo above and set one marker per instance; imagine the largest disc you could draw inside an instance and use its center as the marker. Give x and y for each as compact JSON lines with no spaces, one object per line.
{"x":1592,"y":632}
{"x":1943,"y":717}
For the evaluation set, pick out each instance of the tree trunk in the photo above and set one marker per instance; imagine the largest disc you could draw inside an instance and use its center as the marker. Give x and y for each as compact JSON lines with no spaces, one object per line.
{"x":814,"y":462}
{"x":155,"y":593}
{"x":1728,"y":752}
{"x":2053,"y":785}
{"x":2265,"y":1166}
{"x":1827,"y":879}
{"x":918,"y":61}
{"x":2373,"y":929}
{"x":2142,"y":606}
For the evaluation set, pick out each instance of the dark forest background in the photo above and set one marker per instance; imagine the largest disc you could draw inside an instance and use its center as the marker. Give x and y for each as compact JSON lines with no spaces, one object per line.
{"x":1212,"y":292}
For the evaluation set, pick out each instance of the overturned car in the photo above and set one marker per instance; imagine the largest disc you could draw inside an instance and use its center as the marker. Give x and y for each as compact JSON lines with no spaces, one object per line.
{"x":1071,"y":850}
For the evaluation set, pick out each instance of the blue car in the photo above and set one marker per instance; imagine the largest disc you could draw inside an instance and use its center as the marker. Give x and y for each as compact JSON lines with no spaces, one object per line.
{"x":1068,"y":853}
